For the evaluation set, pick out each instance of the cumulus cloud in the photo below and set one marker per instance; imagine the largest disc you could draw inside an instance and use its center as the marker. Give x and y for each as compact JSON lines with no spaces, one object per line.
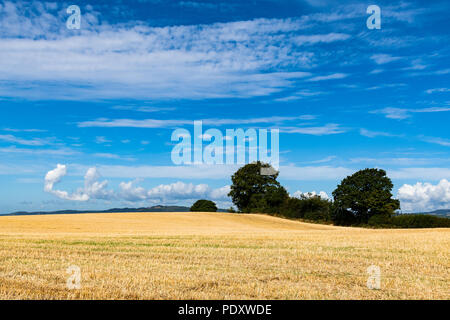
{"x":93,"y":189}
{"x":424,"y":197}
{"x":129,"y":191}
{"x":299,"y":194}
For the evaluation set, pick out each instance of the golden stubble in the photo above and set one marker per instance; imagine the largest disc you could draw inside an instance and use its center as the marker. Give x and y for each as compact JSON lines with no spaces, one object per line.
{"x":216,"y":256}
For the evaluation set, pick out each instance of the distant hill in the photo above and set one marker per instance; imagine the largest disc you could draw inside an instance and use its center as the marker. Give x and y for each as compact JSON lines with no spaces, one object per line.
{"x":445,"y":213}
{"x":143,"y":209}
{"x":440,"y":213}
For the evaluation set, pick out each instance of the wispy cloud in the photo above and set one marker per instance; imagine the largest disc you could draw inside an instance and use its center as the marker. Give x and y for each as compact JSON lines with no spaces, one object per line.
{"x":333,"y":76}
{"x":45,"y":152}
{"x":156,"y":123}
{"x":27,"y":142}
{"x":301,"y":94}
{"x":373,"y":134}
{"x":436,"y":140}
{"x":113,"y":156}
{"x":403,"y":113}
{"x":384,"y":58}
{"x":430,"y":91}
{"x":234,"y":59}
{"x":101,"y":140}
{"x":326,"y":159}
{"x":328,"y":129}
{"x":23,"y":130}
{"x":318,"y":38}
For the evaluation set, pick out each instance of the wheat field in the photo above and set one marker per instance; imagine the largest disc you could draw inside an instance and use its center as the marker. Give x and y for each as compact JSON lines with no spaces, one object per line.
{"x":215,"y":256}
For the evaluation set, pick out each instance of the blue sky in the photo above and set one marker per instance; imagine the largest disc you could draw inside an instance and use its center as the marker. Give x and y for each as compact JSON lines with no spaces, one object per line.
{"x":93,"y":109}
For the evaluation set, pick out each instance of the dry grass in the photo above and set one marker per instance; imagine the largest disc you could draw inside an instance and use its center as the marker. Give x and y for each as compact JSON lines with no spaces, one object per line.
{"x":215,"y":256}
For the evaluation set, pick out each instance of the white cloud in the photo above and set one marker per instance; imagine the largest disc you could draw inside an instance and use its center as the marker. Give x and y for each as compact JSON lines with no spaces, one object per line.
{"x":23,"y":130}
{"x":373,"y":134}
{"x":429,"y":91}
{"x":54,"y":176}
{"x":383,"y":58}
{"x":333,"y":76}
{"x":155,"y":123}
{"x":128,"y":191}
{"x":47,"y":152}
{"x":220,"y":193}
{"x":402,"y":113}
{"x":101,"y":140}
{"x":327,"y":129}
{"x":424,"y":197}
{"x":112,"y":156}
{"x":218,"y":172}
{"x":434,"y":174}
{"x":436,"y":140}
{"x":299,"y":194}
{"x":394,"y":113}
{"x":27,"y":142}
{"x":233,"y":59}
{"x":317,"y":38}
{"x":326,"y":159}
{"x":93,"y":189}
{"x":314,"y":173}
{"x":301,"y":95}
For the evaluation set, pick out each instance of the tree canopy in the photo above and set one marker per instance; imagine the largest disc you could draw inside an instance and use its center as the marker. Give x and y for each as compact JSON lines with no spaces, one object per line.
{"x":364,"y":194}
{"x":252,"y":191}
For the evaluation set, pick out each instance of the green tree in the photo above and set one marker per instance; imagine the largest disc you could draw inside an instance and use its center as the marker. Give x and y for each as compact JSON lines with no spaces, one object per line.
{"x":204,"y":206}
{"x":342,"y":217}
{"x":364,"y":194}
{"x":252,"y":191}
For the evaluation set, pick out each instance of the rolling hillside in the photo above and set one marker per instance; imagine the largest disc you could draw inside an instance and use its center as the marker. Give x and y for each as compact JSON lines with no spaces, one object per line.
{"x":184,"y":255}
{"x":152,"y":223}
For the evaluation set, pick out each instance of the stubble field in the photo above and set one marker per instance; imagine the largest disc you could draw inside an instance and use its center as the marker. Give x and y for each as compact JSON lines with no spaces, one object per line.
{"x":215,"y":256}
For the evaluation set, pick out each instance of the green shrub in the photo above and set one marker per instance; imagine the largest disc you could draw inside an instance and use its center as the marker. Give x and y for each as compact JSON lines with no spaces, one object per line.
{"x":311,"y":208}
{"x":381,"y":220}
{"x":292,"y":208}
{"x":204,"y":206}
{"x":420,"y":221}
{"x":409,"y":221}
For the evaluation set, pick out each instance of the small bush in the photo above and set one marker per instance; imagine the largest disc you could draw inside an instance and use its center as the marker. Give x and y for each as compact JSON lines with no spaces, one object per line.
{"x":204,"y":206}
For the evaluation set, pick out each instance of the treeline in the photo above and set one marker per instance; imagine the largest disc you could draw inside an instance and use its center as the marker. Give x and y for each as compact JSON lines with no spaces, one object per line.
{"x":362,"y":199}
